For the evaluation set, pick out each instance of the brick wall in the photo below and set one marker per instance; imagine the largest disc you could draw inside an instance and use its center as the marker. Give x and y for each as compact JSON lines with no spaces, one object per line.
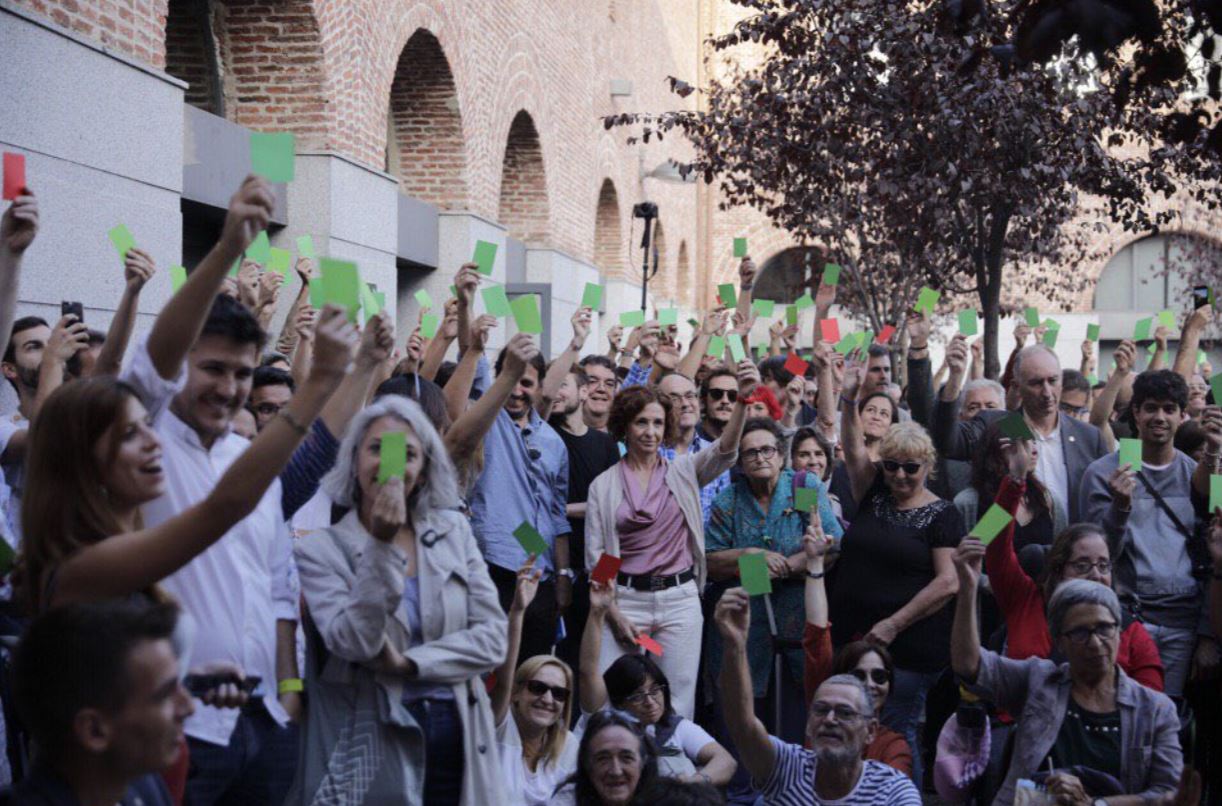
{"x":190,"y":51}
{"x":523,"y":207}
{"x":608,"y":245}
{"x":135,"y":28}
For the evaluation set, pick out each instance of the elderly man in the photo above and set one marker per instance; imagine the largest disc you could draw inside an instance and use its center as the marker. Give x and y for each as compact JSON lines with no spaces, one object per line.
{"x":840,"y":725}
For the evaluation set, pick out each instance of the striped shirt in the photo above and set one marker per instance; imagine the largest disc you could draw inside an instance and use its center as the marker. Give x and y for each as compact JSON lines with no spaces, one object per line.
{"x":792,"y":782}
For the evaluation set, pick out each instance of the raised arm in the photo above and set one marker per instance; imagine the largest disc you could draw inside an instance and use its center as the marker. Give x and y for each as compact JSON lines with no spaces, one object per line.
{"x":447,"y":332}
{"x":523,"y":595}
{"x":861,"y":470}
{"x":18,"y":226}
{"x":593,"y":689}
{"x":1159,"y":359}
{"x":287,"y":342}
{"x":303,"y":347}
{"x":1190,"y":341}
{"x":964,"y":635}
{"x":1211,"y":421}
{"x":817,"y":639}
{"x":748,"y":379}
{"x":977,"y":368}
{"x":920,"y":380}
{"x":270,"y":283}
{"x":689,"y":365}
{"x":746,"y":284}
{"x":138,"y":268}
{"x":563,"y":365}
{"x":469,"y":430}
{"x":126,"y":563}
{"x":953,"y":438}
{"x":457,"y":391}
{"x":68,"y":338}
{"x":377,"y":340}
{"x":825,"y":400}
{"x":750,"y":737}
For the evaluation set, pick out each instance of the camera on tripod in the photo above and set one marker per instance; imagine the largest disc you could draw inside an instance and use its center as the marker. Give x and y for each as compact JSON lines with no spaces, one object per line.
{"x":645,"y":210}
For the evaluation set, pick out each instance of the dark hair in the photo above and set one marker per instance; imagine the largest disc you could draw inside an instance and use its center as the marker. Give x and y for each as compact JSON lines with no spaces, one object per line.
{"x":717,"y":373}
{"x":846,"y":660}
{"x":22,"y":324}
{"x":663,"y":791}
{"x":774,"y":367}
{"x":990,"y":467}
{"x":876,"y":350}
{"x":75,"y":657}
{"x":270,"y":376}
{"x":423,"y":391}
{"x":764,"y":424}
{"x":809,"y":432}
{"x":536,"y":362}
{"x":232,"y":320}
{"x":444,"y":373}
{"x":1074,"y":381}
{"x":1162,"y":384}
{"x":596,"y":360}
{"x":1060,"y":552}
{"x":1189,"y":437}
{"x":895,"y":409}
{"x":96,"y":337}
{"x":626,"y":676}
{"x":632,"y":401}
{"x":582,"y":779}
{"x":273,"y":357}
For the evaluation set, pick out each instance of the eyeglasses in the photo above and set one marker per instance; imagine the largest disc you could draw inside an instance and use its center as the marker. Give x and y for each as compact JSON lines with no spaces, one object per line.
{"x":268,"y":409}
{"x":1082,"y":567}
{"x":1105,"y":630}
{"x":729,"y":394}
{"x":911,"y":468}
{"x":766,"y":452}
{"x":608,"y":383}
{"x":538,"y":688}
{"x":879,"y":676}
{"x":691,"y":396}
{"x":1074,"y":411}
{"x":843,"y":712}
{"x":655,"y":693}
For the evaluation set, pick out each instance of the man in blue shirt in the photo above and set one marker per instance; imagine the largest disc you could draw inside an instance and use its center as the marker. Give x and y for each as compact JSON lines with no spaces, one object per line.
{"x":525,"y":480}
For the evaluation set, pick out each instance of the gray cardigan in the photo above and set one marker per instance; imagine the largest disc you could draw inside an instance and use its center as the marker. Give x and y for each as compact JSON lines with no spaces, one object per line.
{"x":1036,"y":691}
{"x":361,"y":745}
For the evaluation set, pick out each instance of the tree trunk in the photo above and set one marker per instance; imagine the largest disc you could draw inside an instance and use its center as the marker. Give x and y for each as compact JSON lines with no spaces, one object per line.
{"x":990,"y":290}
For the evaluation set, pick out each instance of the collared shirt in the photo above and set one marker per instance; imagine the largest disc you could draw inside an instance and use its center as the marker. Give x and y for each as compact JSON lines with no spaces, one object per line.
{"x":12,"y":484}
{"x":1050,"y":464}
{"x":710,"y":491}
{"x":637,"y":375}
{"x":525,"y":479}
{"x":238,"y":588}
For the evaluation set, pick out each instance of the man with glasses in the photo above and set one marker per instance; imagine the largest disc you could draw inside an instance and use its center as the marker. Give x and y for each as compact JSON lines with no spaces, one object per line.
{"x":1075,"y":395}
{"x":839,"y":726}
{"x":600,"y":385}
{"x":717,"y":397}
{"x":271,"y":390}
{"x":684,"y":400}
{"x":1150,"y":514}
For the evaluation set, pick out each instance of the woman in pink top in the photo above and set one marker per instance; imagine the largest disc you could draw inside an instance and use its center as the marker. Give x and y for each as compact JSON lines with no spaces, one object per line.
{"x":646,"y":511}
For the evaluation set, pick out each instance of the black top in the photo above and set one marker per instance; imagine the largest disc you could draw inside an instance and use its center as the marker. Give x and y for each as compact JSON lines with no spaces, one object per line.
{"x":1088,"y":739}
{"x":886,"y":559}
{"x":589,"y":455}
{"x":1038,"y":532}
{"x":44,"y":788}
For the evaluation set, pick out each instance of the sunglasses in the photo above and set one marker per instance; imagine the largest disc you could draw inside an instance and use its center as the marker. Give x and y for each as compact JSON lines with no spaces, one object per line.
{"x":879,"y":676}
{"x":538,"y":688}
{"x":911,"y":468}
{"x":729,"y":394}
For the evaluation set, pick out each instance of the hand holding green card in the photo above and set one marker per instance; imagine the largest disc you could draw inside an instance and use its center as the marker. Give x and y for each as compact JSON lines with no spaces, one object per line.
{"x":260,"y":250}
{"x":805,"y":499}
{"x":429,"y":324}
{"x":532,"y":542}
{"x":994,"y":520}
{"x":729,"y":296}
{"x":753,"y":570}
{"x":1130,"y":453}
{"x":178,"y":276}
{"x":592,"y":297}
{"x":1015,"y":426}
{"x":484,"y":257}
{"x":763,"y":307}
{"x":496,"y":302}
{"x":341,"y":283}
{"x":1032,"y":315}
{"x":736,"y":347}
{"x":969,"y":322}
{"x":1215,"y":493}
{"x":272,"y":155}
{"x":805,"y":301}
{"x":668,"y":317}
{"x":632,"y":318}
{"x":1092,"y":333}
{"x":926,"y":300}
{"x":305,"y":247}
{"x":740,"y":247}
{"x":122,"y":239}
{"x":1143,"y":329}
{"x":831,"y":274}
{"x":526,"y":313}
{"x":423,"y":298}
{"x":717,"y":347}
{"x":392,"y":462}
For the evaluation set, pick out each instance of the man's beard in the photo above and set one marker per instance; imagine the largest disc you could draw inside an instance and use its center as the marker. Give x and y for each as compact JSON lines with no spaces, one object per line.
{"x":572,"y":407}
{"x":28,"y":378}
{"x":842,"y":756}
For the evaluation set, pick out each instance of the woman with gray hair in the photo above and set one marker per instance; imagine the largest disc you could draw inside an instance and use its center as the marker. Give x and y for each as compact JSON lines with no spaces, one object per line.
{"x":1085,"y":720}
{"x":402,"y":619}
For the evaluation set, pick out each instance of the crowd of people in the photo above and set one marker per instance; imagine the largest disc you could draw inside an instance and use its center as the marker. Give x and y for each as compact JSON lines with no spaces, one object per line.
{"x":220,"y":594}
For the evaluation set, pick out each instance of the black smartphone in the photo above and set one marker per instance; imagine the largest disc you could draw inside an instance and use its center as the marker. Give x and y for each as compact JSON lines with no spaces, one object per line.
{"x":74,"y":308}
{"x":1202,"y":295}
{"x":200,"y":684}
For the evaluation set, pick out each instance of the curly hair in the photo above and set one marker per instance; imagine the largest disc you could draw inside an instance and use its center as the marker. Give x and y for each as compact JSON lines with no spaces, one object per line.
{"x":631,"y":402}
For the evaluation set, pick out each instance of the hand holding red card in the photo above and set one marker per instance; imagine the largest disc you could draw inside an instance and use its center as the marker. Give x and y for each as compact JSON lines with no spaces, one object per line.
{"x":885,"y":336}
{"x":606,"y":569}
{"x":14,"y":175}
{"x":795,"y":365}
{"x":649,"y":644}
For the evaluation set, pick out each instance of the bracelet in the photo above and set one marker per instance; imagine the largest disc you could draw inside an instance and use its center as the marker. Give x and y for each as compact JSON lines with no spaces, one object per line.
{"x":293,"y":422}
{"x":850,"y":403}
{"x":813,"y":575}
{"x":290,"y":685}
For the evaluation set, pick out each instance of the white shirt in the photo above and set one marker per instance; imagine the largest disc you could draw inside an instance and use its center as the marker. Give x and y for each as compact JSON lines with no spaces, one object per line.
{"x":527,"y":787}
{"x":246,"y":581}
{"x":1050,"y":464}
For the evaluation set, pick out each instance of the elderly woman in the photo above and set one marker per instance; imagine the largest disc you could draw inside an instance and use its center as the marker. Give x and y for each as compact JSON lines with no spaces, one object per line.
{"x":646,"y":511}
{"x":759,"y":514}
{"x":1087,"y":713}
{"x":403,"y":619}
{"x":614,"y":762}
{"x":895,"y":576}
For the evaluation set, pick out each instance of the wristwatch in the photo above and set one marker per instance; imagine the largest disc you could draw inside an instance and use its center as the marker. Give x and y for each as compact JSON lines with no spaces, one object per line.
{"x":567,"y":573}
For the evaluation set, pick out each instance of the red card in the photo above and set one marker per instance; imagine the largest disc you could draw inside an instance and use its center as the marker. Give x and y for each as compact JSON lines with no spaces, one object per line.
{"x":795,"y":365}
{"x":649,"y":644}
{"x":14,"y":175}
{"x":885,"y":336}
{"x":606,"y":569}
{"x":829,"y":330}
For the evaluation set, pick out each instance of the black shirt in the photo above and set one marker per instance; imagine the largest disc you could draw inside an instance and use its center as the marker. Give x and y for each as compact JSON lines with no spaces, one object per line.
{"x":589,"y":455}
{"x":44,"y":788}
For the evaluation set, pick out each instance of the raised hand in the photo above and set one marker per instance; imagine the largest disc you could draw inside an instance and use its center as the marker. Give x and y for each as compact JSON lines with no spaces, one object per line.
{"x":269,"y":288}
{"x":305,"y":270}
{"x":480,"y":329}
{"x":520,"y":351}
{"x":1122,"y":482}
{"x":968,"y":558}
{"x":957,"y":356}
{"x":250,"y":211}
{"x":733,"y":617}
{"x":602,"y":596}
{"x":816,"y":544}
{"x":465,"y":283}
{"x":1125,"y":356}
{"x":795,"y":390}
{"x":19,"y":224}
{"x":918,"y":331}
{"x":1021,"y":333}
{"x":748,"y":379}
{"x":1161,"y":334}
{"x":853,"y":377}
{"x":581,"y":320}
{"x":389,"y":511}
{"x":304,"y":323}
{"x":248,"y":284}
{"x":746,"y":273}
{"x":648,"y":338}
{"x":449,"y":324}
{"x":377,"y":340}
{"x":527,"y":585}
{"x":1017,"y":453}
{"x":713,"y":322}
{"x":68,"y":338}
{"x":138,"y":268}
{"x":614,"y":335}
{"x":335,"y":340}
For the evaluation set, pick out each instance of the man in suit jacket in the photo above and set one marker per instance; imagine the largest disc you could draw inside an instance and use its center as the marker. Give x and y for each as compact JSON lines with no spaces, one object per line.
{"x":1066,"y":446}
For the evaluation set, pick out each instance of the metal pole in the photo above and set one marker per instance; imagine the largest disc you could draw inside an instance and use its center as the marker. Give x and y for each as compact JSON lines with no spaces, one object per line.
{"x":645,"y":239}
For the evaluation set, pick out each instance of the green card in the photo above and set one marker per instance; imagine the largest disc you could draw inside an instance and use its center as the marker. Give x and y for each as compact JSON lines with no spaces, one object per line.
{"x":753,"y":570}
{"x":260,"y":250}
{"x":969,"y":322}
{"x":763,"y":307}
{"x":280,"y":260}
{"x":1130,"y":453}
{"x":341,"y":283}
{"x":1167,"y":319}
{"x":791,"y":314}
{"x":761,"y":352}
{"x":318,"y":295}
{"x":392,"y":456}
{"x":1015,"y":427}
{"x":805,"y":499}
{"x":496,"y":302}
{"x":848,"y":344}
{"x":424,"y":298}
{"x":1092,"y":333}
{"x":927,"y":299}
{"x":632,"y":318}
{"x":272,"y":155}
{"x":1215,"y":384}
{"x":532,"y":542}
{"x":592,"y":297}
{"x":736,"y":347}
{"x":668,"y":317}
{"x":370,"y":302}
{"x":803,"y":302}
{"x":305,"y":247}
{"x":990,"y":526}
{"x":831,"y":274}
{"x":233,"y":270}
{"x":1215,"y":493}
{"x":1143,"y":329}
{"x":1050,"y":335}
{"x":729,"y":297}
{"x":123,"y":240}
{"x":429,"y":324}
{"x":379,"y":299}
{"x":1032,"y":316}
{"x":1201,"y":357}
{"x":1093,"y":378}
{"x":1152,"y":348}
{"x":717,"y":347}
{"x":740,"y":247}
{"x":178,"y":276}
{"x":484,"y":257}
{"x":525,"y":311}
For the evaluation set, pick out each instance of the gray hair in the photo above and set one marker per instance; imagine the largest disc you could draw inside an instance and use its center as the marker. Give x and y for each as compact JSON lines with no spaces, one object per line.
{"x":1026,"y":351}
{"x":850,"y":680}
{"x":984,"y":383}
{"x":438,"y":484}
{"x":1074,"y":592}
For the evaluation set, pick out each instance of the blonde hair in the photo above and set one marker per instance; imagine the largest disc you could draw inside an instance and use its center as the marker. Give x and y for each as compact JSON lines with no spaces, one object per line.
{"x":556,"y":735}
{"x":908,"y":441}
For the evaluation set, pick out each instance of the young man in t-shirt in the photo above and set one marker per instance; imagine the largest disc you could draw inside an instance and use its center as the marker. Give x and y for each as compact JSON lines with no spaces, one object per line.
{"x":841,"y":723}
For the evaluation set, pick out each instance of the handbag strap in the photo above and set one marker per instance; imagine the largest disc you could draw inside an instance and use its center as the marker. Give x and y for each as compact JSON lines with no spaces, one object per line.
{"x":1165,"y":507}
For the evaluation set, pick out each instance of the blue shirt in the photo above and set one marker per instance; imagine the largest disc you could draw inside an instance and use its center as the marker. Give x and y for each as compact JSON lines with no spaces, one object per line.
{"x":525,"y":478}
{"x":311,"y":461}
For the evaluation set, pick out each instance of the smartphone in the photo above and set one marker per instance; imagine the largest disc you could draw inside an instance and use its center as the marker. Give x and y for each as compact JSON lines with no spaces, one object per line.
{"x":200,"y":684}
{"x":1202,"y":295}
{"x":73,"y":308}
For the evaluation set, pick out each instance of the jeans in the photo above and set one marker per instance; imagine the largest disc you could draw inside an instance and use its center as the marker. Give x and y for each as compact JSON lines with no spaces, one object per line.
{"x":904,"y":709}
{"x":443,"y":750}
{"x":257,"y":766}
{"x":539,"y":623}
{"x":1175,"y":648}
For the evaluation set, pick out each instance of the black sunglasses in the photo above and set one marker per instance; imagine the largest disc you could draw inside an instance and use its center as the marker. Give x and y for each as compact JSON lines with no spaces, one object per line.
{"x":911,"y":468}
{"x":728,"y":394}
{"x":879,"y":676}
{"x":538,"y":688}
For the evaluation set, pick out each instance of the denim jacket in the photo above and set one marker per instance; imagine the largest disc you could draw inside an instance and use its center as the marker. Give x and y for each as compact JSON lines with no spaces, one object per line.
{"x":1038,"y":691}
